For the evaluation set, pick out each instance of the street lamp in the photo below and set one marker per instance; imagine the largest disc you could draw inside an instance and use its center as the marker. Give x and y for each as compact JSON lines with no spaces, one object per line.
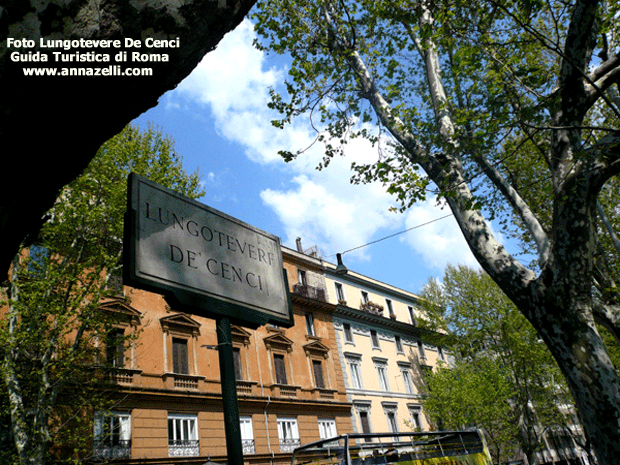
{"x":340,"y":269}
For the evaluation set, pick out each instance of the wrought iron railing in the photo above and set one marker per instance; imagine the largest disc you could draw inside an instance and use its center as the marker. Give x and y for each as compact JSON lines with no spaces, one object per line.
{"x":248,"y":446}
{"x":183,"y":447}
{"x":117,"y":449}
{"x":316,"y":293}
{"x":289,"y":445}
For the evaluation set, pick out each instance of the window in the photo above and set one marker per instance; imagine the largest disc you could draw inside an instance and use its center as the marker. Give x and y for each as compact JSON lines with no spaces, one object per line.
{"x":399,"y":344}
{"x":348,"y":334}
{"x":365,"y":299}
{"x":442,"y":356}
{"x":390,"y":409}
{"x":407,"y":380}
{"x":392,"y":423}
{"x":288,"y":434}
{"x":237,"y":363}
{"x":356,"y":372}
{"x":416,"y":417}
{"x":280,"y":369}
{"x":182,"y":435}
{"x":179,"y":356}
{"x":374,"y":339}
{"x":301,"y":277}
{"x":421,"y":351}
{"x":114,"y":347}
{"x":180,"y":336}
{"x":247,"y":435}
{"x":340,"y":292}
{"x":310,"y":324}
{"x":365,"y":423}
{"x":112,"y":435}
{"x":317,"y":368}
{"x":327,"y":429}
{"x":390,"y":308}
{"x":382,"y":373}
{"x":411,"y":315}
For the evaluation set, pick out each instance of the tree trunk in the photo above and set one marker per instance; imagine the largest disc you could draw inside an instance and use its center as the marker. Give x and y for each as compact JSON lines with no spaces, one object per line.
{"x":574,"y":341}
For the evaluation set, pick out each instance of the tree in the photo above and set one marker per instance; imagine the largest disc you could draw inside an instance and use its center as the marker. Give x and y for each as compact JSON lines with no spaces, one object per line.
{"x":51,"y":127}
{"x":504,"y":381}
{"x":507,"y":111}
{"x":53,"y":331}
{"x":476,"y":394}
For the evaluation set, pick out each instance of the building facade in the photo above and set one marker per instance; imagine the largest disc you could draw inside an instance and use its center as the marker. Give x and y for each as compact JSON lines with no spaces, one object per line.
{"x":383,"y":352}
{"x":290,"y":383}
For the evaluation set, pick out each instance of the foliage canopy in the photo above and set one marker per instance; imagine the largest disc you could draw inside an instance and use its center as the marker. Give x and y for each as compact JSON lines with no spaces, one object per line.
{"x":506,"y":110}
{"x":52,"y":333}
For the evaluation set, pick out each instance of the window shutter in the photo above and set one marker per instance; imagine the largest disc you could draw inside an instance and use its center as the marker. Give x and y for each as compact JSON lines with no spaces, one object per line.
{"x":365,"y":423}
{"x":179,"y":356}
{"x":237,"y":363}
{"x":278,"y":361}
{"x":318,"y":373}
{"x":115,"y":349}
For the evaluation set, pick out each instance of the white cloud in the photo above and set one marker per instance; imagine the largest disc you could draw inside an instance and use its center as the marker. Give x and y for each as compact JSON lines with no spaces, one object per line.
{"x":233,"y":82}
{"x":320,"y":206}
{"x":336,"y":219}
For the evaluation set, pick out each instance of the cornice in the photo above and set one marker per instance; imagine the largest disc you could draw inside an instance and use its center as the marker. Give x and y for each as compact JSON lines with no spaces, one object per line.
{"x":312,"y":303}
{"x":385,"y":323}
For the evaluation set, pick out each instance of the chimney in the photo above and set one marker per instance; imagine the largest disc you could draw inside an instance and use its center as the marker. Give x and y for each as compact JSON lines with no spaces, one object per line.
{"x":299,"y":248}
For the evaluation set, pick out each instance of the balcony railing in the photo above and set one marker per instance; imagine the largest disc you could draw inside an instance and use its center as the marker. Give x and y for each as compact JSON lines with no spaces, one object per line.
{"x":185,"y":382}
{"x":121,"y":449}
{"x":316,"y":293}
{"x":119,"y":376}
{"x":248,"y":446}
{"x":288,"y":445}
{"x":183,"y":448}
{"x":287,"y":391}
{"x":372,"y":308}
{"x":244,"y":388}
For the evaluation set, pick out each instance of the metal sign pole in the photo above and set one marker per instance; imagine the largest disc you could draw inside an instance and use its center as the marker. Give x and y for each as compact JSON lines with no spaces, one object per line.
{"x":234,"y":446}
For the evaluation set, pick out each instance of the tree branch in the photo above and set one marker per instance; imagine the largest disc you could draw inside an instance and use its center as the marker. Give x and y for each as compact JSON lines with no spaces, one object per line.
{"x":443,"y":170}
{"x":577,"y":50}
{"x":526,"y":214}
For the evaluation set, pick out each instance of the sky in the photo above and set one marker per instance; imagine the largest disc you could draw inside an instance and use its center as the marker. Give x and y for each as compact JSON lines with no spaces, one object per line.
{"x":221,"y":124}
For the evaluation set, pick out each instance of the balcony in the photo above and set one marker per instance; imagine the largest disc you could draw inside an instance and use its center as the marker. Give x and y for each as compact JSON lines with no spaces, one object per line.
{"x":316,"y":293}
{"x":121,"y":449}
{"x":183,"y":448}
{"x":185,"y":382}
{"x":181,"y":381}
{"x":244,"y":388}
{"x":289,"y":445}
{"x":285,"y":390}
{"x":248,"y":446}
{"x":372,"y":308}
{"x":324,"y":394}
{"x":122,"y":376}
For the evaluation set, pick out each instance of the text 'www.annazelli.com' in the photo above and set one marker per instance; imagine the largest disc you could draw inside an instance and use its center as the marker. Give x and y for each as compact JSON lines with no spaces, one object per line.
{"x":112,"y":70}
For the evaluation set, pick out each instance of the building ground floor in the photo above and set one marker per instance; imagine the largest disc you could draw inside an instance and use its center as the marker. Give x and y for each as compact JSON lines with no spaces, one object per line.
{"x":163,"y":428}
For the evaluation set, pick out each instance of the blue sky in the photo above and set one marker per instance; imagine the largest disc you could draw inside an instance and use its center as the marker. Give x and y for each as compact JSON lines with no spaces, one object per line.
{"x":219,"y":120}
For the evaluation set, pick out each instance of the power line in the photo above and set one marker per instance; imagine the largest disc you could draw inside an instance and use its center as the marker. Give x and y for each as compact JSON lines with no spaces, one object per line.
{"x":398,"y":233}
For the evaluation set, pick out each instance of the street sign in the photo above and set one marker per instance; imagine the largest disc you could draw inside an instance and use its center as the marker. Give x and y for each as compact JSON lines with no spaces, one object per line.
{"x":205,"y":259}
